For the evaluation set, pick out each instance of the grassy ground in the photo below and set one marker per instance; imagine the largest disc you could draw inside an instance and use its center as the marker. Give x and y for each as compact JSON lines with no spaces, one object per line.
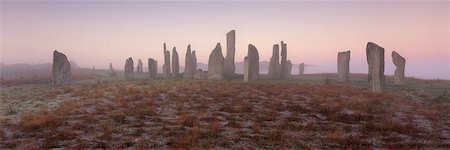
{"x":312,"y":112}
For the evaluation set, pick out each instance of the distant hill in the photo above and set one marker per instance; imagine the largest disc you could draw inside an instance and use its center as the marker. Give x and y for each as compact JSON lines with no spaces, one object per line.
{"x":27,"y":71}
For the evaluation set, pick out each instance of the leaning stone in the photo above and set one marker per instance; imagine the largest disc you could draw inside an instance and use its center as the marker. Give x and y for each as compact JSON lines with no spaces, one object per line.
{"x":61,"y":70}
{"x":399,"y":62}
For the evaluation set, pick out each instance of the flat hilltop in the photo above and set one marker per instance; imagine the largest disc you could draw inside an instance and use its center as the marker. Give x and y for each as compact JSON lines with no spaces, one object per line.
{"x":312,"y":112}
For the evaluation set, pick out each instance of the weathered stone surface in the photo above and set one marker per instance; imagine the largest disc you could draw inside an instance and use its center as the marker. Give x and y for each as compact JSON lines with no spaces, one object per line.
{"x":194,"y":61}
{"x":200,"y":74}
{"x":375,"y":60}
{"x":251,"y":64}
{"x":229,"y":67}
{"x":343,"y":64}
{"x":190,"y":64}
{"x":301,"y":69}
{"x":246,"y":69}
{"x":274,"y":66}
{"x":188,"y":74}
{"x":61,"y":70}
{"x":289,"y":68}
{"x":175,"y":63}
{"x":166,"y":65}
{"x":129,"y":69}
{"x":399,"y":62}
{"x":284,"y":67}
{"x":139,"y":67}
{"x":112,"y":73}
{"x":152,"y":68}
{"x":215,"y":64}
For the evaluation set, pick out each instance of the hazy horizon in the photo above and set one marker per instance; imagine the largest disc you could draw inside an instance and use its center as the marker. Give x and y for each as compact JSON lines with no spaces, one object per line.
{"x":94,"y":34}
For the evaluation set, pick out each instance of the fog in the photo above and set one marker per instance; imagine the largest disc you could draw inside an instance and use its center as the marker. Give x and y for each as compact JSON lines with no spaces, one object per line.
{"x":94,"y":34}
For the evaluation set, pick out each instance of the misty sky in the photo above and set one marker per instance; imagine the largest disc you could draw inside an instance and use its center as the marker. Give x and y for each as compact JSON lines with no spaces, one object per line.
{"x":97,"y":33}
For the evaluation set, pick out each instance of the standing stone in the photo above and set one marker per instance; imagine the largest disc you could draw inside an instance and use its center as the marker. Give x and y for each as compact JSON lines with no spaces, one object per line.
{"x":193,"y":61}
{"x":188,"y":74}
{"x":251,"y":64}
{"x":284,"y":67}
{"x":152,"y":68}
{"x":61,"y":71}
{"x":289,"y":68}
{"x":166,"y":66}
{"x":229,"y":59}
{"x":190,"y":62}
{"x":215,"y":64}
{"x":139,"y":67}
{"x":274,"y":66}
{"x":399,"y":62}
{"x":112,"y":72}
{"x":129,"y":69}
{"x":343,"y":66}
{"x":246,"y":69}
{"x":301,"y":70}
{"x":375,"y":60}
{"x":175,"y":63}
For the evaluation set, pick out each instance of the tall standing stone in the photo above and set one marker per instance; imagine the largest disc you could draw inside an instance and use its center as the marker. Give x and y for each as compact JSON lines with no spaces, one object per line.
{"x":190,"y":62}
{"x":129,"y":69}
{"x":229,"y":67}
{"x":112,"y":73}
{"x":61,"y":70}
{"x":166,"y":65}
{"x":139,"y":67}
{"x":274,"y":65}
{"x":284,"y":67}
{"x":175,"y":63}
{"x":215,"y":64}
{"x":188,"y":74}
{"x":152,"y":68}
{"x":289,"y":68}
{"x":343,"y":64}
{"x":251,"y":64}
{"x":301,"y":70}
{"x":375,"y":60}
{"x":399,"y":62}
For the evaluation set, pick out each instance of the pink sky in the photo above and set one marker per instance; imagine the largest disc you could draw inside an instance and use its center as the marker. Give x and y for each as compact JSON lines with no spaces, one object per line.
{"x":97,"y":33}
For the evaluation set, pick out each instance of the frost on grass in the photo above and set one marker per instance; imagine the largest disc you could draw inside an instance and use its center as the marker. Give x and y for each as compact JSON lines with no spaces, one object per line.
{"x":218,"y":114}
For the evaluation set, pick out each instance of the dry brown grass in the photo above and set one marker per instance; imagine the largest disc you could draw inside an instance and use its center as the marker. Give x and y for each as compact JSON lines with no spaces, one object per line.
{"x":186,"y":120}
{"x":31,"y":122}
{"x":228,"y":114}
